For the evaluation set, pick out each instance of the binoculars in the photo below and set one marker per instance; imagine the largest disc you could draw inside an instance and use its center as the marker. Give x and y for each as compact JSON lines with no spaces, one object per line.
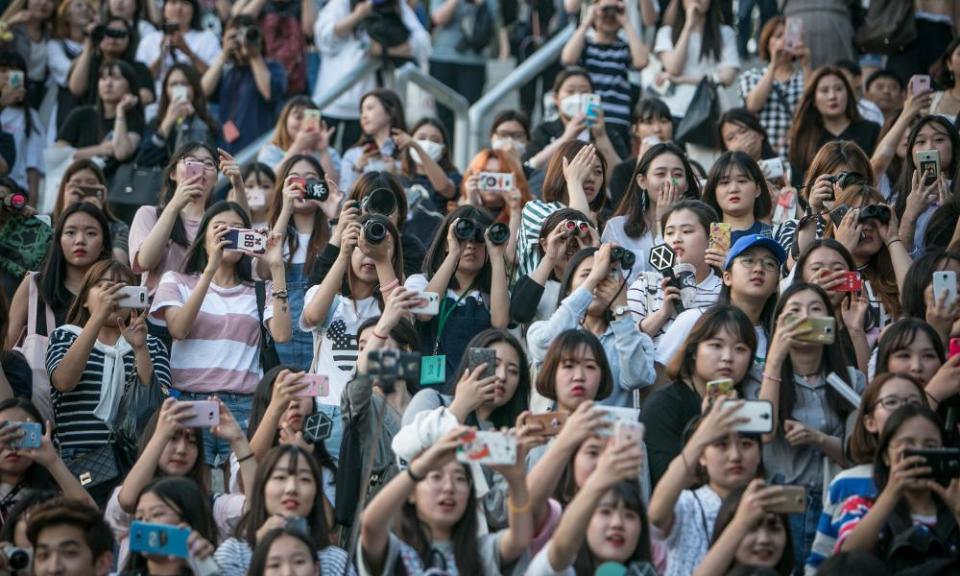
{"x":468,"y":230}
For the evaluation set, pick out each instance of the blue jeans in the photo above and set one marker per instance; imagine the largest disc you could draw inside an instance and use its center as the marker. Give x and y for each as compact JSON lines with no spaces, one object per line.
{"x":299,"y":350}
{"x":332,"y":444}
{"x":215,"y":450}
{"x":803,"y":528}
{"x":768,"y":9}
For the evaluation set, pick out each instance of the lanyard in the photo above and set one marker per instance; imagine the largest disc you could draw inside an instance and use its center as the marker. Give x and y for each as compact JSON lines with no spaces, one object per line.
{"x":445,"y":315}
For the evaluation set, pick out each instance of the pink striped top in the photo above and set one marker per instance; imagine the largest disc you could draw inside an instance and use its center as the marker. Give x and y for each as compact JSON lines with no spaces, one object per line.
{"x":222,"y":351}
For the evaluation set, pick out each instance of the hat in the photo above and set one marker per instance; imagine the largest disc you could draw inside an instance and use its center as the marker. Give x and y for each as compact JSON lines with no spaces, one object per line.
{"x":752,"y":241}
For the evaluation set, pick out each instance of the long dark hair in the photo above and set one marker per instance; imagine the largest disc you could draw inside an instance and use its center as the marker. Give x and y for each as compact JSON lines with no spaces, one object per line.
{"x":941,"y":74}
{"x":12,"y":60}
{"x":320,"y":235}
{"x":881,"y":468}
{"x":636,"y":201}
{"x":135,"y":114}
{"x":179,"y":233}
{"x":716,"y":319}
{"x":742,"y":161}
{"x":406,"y":337}
{"x":919,"y":277}
{"x":392,"y":105}
{"x":258,"y":562}
{"x":199,"y":473}
{"x":257,"y":514}
{"x":628,"y":492}
{"x":712,"y":40}
{"x":437,"y":251}
{"x":728,"y":509}
{"x":748,"y":120}
{"x":833,"y":359}
{"x":410,"y":167}
{"x":555,"y":183}
{"x":905,"y":182}
{"x":506,"y":415}
{"x":199,"y":101}
{"x":51,"y":280}
{"x":36,"y":475}
{"x":196,"y":259}
{"x":901,"y":334}
{"x":807,"y":127}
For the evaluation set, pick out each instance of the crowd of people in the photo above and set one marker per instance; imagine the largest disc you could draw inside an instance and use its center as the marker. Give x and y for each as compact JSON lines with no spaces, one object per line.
{"x":641,"y":335}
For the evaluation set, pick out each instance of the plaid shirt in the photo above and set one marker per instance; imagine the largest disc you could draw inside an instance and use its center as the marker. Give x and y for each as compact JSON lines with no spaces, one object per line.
{"x":777,"y":114}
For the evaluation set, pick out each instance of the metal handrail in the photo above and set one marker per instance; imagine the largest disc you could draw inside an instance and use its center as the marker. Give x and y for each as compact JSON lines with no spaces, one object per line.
{"x":327,"y":97}
{"x":445,"y":95}
{"x":525,"y":72}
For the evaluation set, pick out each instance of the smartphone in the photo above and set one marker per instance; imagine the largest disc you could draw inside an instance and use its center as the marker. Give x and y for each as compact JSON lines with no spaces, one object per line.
{"x":551,"y":423}
{"x":317,"y":427}
{"x":793,"y":35}
{"x":246,"y":240}
{"x":487,"y":356}
{"x":944,"y":462}
{"x":317,"y":385}
{"x":614,"y":414}
{"x":133,"y":297}
{"x":298,"y":523}
{"x":717,"y":388}
{"x":945,"y":281}
{"x":15,"y":79}
{"x":954,"y":349}
{"x":928,"y":163}
{"x":590,"y":107}
{"x":759,"y":414}
{"x":795,"y":501}
{"x":32,"y":435}
{"x":487,"y":447}
{"x":773,"y":169}
{"x":627,"y":432}
{"x":193,"y":169}
{"x":179,"y":93}
{"x":393,"y":364}
{"x":206,"y":414}
{"x":495,"y":181}
{"x":852,"y":282}
{"x":919,"y":83}
{"x":822,"y":330}
{"x":431,"y":307}
{"x":720,"y":236}
{"x":159,"y":539}
{"x":311,"y":119}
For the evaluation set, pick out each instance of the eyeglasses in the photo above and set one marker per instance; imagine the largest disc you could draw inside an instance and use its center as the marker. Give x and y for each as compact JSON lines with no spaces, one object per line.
{"x":892,"y":401}
{"x":768,"y":264}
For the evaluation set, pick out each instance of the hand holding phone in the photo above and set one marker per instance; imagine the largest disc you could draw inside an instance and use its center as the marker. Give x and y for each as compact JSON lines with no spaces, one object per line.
{"x":485,"y":356}
{"x":487,"y":447}
{"x":720,"y":234}
{"x":944,"y":287}
{"x":317,"y":385}
{"x":546,"y":424}
{"x":430,"y":305}
{"x":133,"y":297}
{"x":206,"y":414}
{"x":758,"y":415}
{"x":159,"y":539}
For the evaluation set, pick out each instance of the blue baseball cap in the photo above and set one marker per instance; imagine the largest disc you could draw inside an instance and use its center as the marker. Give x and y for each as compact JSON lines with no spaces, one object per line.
{"x":753,"y":241}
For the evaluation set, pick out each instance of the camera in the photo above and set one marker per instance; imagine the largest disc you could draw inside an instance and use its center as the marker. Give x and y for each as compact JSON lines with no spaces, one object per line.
{"x":316,"y":189}
{"x":379,"y":201}
{"x":15,"y":201}
{"x":171,"y":28}
{"x":249,"y":35}
{"x":17,"y":558}
{"x":625,"y":257}
{"x":499,"y":233}
{"x":375,"y":229}
{"x":468,"y":231}
{"x":875,"y":212}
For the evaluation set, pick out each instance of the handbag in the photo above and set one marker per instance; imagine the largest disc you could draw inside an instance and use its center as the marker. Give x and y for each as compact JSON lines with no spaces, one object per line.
{"x":97,"y":467}
{"x":133,"y":186}
{"x":888,"y":27}
{"x":138,"y":404}
{"x":699,"y":124}
{"x":33,"y":346}
{"x":268,"y":349}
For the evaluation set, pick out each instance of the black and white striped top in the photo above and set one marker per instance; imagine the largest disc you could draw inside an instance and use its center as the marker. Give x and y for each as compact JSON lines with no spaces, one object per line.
{"x":607,"y":65}
{"x":77,"y":427}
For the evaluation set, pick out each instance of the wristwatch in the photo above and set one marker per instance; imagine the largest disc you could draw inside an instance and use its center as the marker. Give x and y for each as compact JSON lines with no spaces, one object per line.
{"x":620,"y":311}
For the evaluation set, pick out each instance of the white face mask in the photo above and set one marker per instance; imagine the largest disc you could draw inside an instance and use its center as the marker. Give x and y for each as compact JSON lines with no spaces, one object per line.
{"x":508,"y":144}
{"x":432,"y":149}
{"x":570,"y":106}
{"x":256,"y":198}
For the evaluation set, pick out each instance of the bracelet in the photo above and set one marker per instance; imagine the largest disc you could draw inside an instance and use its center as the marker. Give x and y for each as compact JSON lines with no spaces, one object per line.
{"x":280,"y":294}
{"x":375,"y":335}
{"x":932,"y":397}
{"x":414,"y":476}
{"x":390,"y":286}
{"x":247,"y":457}
{"x":514,"y":509}
{"x":772,"y":378}
{"x":894,"y":241}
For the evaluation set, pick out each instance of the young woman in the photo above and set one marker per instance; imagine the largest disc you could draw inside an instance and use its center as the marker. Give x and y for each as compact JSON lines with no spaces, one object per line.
{"x":111,"y":128}
{"x":911,"y":507}
{"x":510,"y":132}
{"x":212,"y":309}
{"x":570,"y":85}
{"x":81,"y":238}
{"x":293,"y":137}
{"x":575,"y":372}
{"x":892,"y":150}
{"x":168,"y":449}
{"x":285,"y":551}
{"x":740,"y":131}
{"x":506,"y":206}
{"x":746,"y":533}
{"x":31,"y":23}
{"x":652,"y":125}
{"x":303,"y":223}
{"x":259,"y":181}
{"x":425,"y":160}
{"x":946,"y":102}
{"x":141,"y":16}
{"x":182,"y":118}
{"x":919,"y":299}
{"x":160,"y":235}
{"x":576,"y":178}
{"x":113,"y":39}
{"x":808,"y":414}
{"x":721,"y":345}
{"x":662,"y":177}
{"x":287,"y":488}
{"x":39,"y":468}
{"x":23,"y":123}
{"x":381,"y":112}
{"x":698,"y":25}
{"x":188,"y":43}
{"x":713,"y":463}
{"x":652,"y":299}
{"x":737,"y":189}
{"x":83,"y":181}
{"x":175,"y":502}
{"x":437,"y":512}
{"x":773,"y":92}
{"x":470,"y":276}
{"x":100,"y":353}
{"x":72,"y":24}
{"x":920,"y":194}
{"x":827,"y":111}
{"x":593,"y":297}
{"x":843,"y":503}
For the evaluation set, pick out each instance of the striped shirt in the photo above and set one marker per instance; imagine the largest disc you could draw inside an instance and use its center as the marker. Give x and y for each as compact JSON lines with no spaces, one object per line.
{"x":608,"y":65}
{"x":846,"y":502}
{"x":222,"y":351}
{"x":531,"y":221}
{"x":77,"y":427}
{"x":645,"y":296}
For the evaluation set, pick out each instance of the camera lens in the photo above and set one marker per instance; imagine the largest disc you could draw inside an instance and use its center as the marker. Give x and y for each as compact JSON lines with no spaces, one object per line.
{"x":251,"y":35}
{"x":375,"y":230}
{"x":465,"y":230}
{"x":498,"y":233}
{"x":380,"y":201}
{"x":17,"y":558}
{"x":17,"y":200}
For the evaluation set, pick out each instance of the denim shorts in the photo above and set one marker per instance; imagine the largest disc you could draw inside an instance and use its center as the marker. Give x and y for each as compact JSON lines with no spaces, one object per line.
{"x":217,"y":451}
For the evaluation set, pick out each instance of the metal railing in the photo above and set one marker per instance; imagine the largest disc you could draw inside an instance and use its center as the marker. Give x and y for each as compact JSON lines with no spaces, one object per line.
{"x":525,"y":72}
{"x":445,"y":95}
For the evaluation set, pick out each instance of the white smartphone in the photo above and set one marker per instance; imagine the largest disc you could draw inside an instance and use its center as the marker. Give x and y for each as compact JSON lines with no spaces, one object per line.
{"x":919,"y":83}
{"x":206,"y":414}
{"x":759,"y":414}
{"x":945,"y":281}
{"x":431,"y":307}
{"x":772,"y":169}
{"x":487,"y":447}
{"x":179,"y":93}
{"x":613,"y":415}
{"x":246,"y":240}
{"x":628,"y":432}
{"x":133,"y":297}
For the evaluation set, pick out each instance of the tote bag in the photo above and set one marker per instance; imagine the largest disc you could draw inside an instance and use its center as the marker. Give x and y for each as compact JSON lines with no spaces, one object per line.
{"x":33,"y":346}
{"x":699,"y":125}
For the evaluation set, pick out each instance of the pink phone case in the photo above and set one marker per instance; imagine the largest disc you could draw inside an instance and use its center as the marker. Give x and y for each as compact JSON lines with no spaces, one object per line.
{"x":317,"y":385}
{"x":206,"y":414}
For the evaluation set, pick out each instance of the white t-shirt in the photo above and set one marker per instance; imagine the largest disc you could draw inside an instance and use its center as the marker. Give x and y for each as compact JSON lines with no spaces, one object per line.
{"x":679,"y":101}
{"x":614,"y":232}
{"x":29,"y":147}
{"x":203,"y":43}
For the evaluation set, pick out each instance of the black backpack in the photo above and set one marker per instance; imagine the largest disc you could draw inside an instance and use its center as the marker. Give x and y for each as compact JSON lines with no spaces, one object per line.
{"x":478,"y":29}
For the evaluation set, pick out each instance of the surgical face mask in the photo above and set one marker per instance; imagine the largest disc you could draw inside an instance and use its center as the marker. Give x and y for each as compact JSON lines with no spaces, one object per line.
{"x":432,"y":149}
{"x":570,"y":106}
{"x":508,"y":144}
{"x":256,"y":198}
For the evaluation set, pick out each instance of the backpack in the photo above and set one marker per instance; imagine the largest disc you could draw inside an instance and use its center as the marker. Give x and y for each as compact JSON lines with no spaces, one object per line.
{"x":285,"y":43}
{"x":888,"y":27}
{"x":477,"y":29}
